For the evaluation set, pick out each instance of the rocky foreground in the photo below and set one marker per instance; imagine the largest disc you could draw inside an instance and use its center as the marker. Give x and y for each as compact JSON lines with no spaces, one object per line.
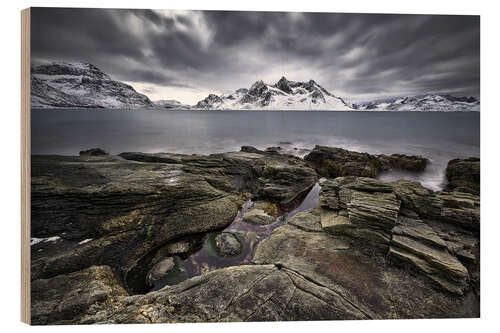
{"x":369,"y":250}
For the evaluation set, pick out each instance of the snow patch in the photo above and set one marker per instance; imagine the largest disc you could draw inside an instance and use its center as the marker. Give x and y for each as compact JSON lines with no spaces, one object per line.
{"x":35,"y":240}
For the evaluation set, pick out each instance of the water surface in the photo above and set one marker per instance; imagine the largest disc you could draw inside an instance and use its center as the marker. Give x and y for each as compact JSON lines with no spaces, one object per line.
{"x":439,"y":136}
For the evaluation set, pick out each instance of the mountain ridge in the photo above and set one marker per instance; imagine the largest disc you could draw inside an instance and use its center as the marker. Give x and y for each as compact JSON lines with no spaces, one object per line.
{"x":83,"y":85}
{"x":283,"y":95}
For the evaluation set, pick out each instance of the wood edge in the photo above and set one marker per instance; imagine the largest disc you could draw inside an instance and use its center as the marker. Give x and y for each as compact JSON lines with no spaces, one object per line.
{"x":25,"y":166}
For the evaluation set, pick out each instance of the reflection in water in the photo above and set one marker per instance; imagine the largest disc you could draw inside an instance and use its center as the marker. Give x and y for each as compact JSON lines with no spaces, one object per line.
{"x":207,"y":259}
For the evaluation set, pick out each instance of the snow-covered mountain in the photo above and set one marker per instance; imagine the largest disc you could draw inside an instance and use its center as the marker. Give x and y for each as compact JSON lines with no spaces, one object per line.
{"x":430,"y":102}
{"x":283,"y":95}
{"x":79,"y":85}
{"x":82,"y":85}
{"x":170,"y":104}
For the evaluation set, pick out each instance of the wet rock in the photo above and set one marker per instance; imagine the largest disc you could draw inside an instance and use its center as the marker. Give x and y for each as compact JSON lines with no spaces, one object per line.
{"x":274,"y":150}
{"x":241,"y":293}
{"x":93,"y":152}
{"x":258,"y":216}
{"x":460,"y":209}
{"x":378,"y":210}
{"x":250,"y":149}
{"x":442,"y":260}
{"x":177,"y":248}
{"x":407,"y":220}
{"x":309,"y":220}
{"x":336,"y":224}
{"x":379,"y":289}
{"x":159,"y":271}
{"x":464,"y":175}
{"x":268,"y":176}
{"x":415,"y":197}
{"x":369,"y":250}
{"x":66,"y":298}
{"x":227,"y":244}
{"x":361,"y":207}
{"x":419,"y":230}
{"x":453,"y":207}
{"x":336,"y":162}
{"x":128,"y":208}
{"x":405,"y":162}
{"x":152,"y":158}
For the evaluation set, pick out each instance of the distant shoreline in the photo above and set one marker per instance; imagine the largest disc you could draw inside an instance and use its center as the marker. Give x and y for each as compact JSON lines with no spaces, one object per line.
{"x":250,"y":110}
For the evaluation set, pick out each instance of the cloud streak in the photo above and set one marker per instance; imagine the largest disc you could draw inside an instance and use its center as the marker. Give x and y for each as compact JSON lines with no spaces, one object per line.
{"x":186,"y":54}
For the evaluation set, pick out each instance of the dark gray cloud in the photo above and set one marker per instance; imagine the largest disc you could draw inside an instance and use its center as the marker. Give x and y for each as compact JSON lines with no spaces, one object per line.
{"x":359,"y":56}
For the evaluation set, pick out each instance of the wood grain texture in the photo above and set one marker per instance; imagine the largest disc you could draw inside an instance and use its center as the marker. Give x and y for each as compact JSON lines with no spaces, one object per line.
{"x":25,"y":165}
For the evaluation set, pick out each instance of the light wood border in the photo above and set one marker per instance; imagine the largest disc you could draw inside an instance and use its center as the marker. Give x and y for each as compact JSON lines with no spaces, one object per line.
{"x":25,"y":165}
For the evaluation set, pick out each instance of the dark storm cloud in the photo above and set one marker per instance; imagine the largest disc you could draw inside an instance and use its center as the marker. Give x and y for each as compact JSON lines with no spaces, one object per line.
{"x":359,"y":55}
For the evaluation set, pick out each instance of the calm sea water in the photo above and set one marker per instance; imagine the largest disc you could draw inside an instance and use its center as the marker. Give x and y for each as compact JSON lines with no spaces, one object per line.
{"x":436,"y":135}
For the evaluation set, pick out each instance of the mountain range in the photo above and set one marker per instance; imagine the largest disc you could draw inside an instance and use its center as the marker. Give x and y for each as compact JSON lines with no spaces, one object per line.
{"x":82,"y":85}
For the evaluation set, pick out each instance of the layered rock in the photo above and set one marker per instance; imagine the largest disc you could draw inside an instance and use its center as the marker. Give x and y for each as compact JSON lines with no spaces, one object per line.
{"x":125,"y":208}
{"x":338,"y":162}
{"x":406,"y":220}
{"x":456,"y":208}
{"x":360,"y":275}
{"x":273,"y":177}
{"x":369,"y":249}
{"x":109,"y":210}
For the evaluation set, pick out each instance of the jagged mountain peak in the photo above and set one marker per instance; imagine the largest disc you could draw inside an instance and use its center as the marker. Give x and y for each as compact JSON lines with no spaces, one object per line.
{"x":283,"y":95}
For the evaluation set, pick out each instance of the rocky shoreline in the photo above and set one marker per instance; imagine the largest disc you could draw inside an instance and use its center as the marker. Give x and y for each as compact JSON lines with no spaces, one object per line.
{"x":368,"y":250}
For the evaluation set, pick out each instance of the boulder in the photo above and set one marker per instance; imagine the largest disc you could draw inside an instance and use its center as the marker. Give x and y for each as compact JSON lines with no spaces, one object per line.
{"x":405,"y":162}
{"x":159,"y":270}
{"x":227,"y":244}
{"x":93,"y":152}
{"x":181,"y":247}
{"x":258,"y":216}
{"x":337,"y":162}
{"x":463,"y":175}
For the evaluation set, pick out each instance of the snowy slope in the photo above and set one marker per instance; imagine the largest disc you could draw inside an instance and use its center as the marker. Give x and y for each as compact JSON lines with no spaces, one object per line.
{"x":430,"y":102}
{"x":78,"y":85}
{"x":283,"y":95}
{"x":170,"y":104}
{"x":81,"y":85}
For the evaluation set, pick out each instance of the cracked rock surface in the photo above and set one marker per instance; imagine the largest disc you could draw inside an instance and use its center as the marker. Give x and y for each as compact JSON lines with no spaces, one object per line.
{"x":368,"y":250}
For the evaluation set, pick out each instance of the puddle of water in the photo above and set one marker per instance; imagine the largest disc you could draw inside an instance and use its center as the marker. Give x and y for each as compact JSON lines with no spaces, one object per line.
{"x":249,"y":235}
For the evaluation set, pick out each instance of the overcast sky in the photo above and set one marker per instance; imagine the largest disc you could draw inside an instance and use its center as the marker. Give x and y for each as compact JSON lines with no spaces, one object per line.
{"x":185,"y":55}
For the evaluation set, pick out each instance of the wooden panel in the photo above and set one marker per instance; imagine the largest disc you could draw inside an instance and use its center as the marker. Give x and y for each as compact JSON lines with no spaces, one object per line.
{"x":25,"y":165}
